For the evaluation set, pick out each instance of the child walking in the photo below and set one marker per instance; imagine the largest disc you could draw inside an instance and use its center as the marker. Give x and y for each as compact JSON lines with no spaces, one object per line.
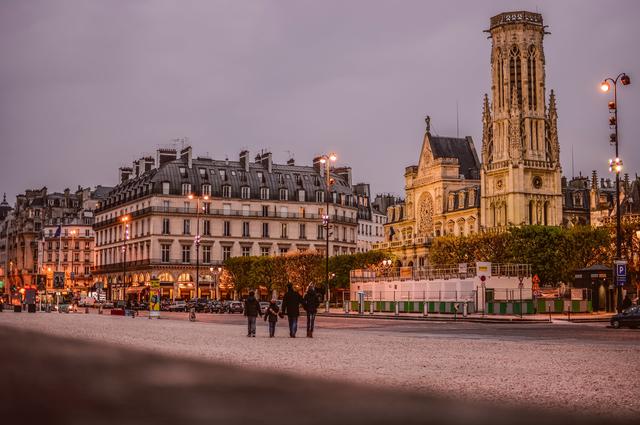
{"x":271,"y":315}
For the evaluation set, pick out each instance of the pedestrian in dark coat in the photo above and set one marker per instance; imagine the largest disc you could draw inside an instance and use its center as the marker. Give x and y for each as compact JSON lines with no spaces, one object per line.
{"x":271,"y":315}
{"x":291,"y":308}
{"x":626,"y":303}
{"x":311,"y":304}
{"x":252,"y":310}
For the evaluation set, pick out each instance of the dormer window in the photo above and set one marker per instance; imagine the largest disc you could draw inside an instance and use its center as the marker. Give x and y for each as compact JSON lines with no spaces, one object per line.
{"x":264,"y":193}
{"x":206,"y":190}
{"x":280,"y":178}
{"x":186,"y":188}
{"x":183,"y":171}
{"x":260,"y":176}
{"x":301,"y":195}
{"x":223,"y":174}
{"x":226,"y":191}
{"x":203,"y":174}
{"x":245,"y":192}
{"x":284,"y":195}
{"x":243,"y":176}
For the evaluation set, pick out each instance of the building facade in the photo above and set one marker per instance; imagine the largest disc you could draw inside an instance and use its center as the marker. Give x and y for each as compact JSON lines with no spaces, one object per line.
{"x":370,"y":220}
{"x":450,"y":192}
{"x":32,"y":251}
{"x":149,"y":223}
{"x":520,"y":179}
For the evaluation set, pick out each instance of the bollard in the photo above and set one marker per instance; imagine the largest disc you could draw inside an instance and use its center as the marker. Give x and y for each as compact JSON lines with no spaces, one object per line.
{"x":397,"y":308}
{"x":425,"y":311}
{"x":465,"y":309}
{"x":100,"y":309}
{"x":346,"y":307}
{"x":372,"y":306}
{"x":192,"y":314}
{"x":86,"y":310}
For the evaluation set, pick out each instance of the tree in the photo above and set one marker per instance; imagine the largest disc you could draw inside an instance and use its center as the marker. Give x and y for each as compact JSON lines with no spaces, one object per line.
{"x":304,"y":268}
{"x":239,"y":274}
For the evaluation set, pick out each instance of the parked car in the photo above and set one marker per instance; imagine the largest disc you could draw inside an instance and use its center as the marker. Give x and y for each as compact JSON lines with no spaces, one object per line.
{"x":200,"y":304}
{"x":264,"y":306}
{"x":86,"y":302}
{"x":235,"y":307}
{"x":629,"y":317}
{"x":107,"y":304}
{"x":178,"y":305}
{"x":214,"y":307}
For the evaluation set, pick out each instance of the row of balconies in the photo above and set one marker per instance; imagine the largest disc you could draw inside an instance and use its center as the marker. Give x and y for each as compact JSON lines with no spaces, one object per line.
{"x":224,"y":213}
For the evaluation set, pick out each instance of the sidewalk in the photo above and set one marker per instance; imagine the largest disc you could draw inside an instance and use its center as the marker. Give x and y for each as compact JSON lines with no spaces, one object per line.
{"x":475,"y":317}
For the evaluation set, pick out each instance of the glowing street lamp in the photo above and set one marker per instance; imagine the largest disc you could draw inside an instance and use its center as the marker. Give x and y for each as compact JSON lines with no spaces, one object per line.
{"x":327,"y":160}
{"x":615,"y":165}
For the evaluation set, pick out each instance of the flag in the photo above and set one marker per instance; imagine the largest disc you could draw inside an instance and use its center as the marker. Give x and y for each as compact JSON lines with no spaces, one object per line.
{"x":58,"y":231}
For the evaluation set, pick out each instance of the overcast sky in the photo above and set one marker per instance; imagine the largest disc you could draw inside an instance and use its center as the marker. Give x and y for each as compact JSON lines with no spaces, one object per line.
{"x":88,"y":86}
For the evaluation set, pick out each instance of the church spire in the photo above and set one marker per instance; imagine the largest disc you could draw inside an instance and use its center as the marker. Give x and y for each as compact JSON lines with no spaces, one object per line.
{"x":487,"y":131}
{"x":552,"y":128}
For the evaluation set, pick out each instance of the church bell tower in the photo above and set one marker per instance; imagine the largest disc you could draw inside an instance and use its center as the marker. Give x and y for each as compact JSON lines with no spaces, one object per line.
{"x":520,"y":175}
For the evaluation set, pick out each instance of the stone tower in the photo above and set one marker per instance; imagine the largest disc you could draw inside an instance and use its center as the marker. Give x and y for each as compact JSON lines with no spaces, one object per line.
{"x":520,"y":175}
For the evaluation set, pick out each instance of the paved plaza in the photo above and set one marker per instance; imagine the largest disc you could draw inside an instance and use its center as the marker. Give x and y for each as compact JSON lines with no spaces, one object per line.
{"x":566,"y":367}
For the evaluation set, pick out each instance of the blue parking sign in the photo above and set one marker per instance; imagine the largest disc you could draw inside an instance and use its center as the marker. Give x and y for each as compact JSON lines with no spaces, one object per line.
{"x":621,"y":272}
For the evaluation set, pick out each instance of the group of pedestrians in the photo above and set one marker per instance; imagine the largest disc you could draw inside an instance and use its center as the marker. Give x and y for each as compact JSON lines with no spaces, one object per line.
{"x":291,"y":303}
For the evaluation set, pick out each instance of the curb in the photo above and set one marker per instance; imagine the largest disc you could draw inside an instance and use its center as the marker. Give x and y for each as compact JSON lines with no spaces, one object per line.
{"x":437,"y":319}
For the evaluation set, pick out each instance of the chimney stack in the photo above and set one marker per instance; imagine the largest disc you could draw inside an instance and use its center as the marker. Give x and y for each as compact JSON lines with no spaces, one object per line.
{"x":266,"y":161}
{"x":244,"y":160}
{"x":125,"y":174}
{"x":165,"y":155}
{"x":187,"y":153}
{"x":291,"y":161}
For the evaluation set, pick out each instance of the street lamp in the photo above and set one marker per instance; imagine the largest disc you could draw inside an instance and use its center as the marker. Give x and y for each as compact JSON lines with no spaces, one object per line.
{"x":73,"y":276}
{"x":615,"y":165}
{"x":327,"y":160}
{"x":215,"y":272}
{"x":125,"y":220}
{"x":192,"y":314}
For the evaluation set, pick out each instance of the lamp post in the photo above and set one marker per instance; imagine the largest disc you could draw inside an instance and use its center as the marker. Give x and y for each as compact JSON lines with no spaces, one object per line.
{"x":327,"y":160}
{"x":215,"y":272}
{"x":125,"y":220}
{"x":197,"y":243}
{"x":615,"y":165}
{"x":73,"y":275}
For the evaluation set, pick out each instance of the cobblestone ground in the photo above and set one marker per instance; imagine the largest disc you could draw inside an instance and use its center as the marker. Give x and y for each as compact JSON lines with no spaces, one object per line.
{"x":572,"y":376}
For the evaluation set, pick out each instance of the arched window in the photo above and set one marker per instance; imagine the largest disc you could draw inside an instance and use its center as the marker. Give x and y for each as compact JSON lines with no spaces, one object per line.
{"x":515,"y":73}
{"x":531,"y":212}
{"x":533,"y":83}
{"x":165,"y":277}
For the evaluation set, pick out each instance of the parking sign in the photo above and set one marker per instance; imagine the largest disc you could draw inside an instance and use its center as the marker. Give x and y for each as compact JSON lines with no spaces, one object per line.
{"x":621,"y":272}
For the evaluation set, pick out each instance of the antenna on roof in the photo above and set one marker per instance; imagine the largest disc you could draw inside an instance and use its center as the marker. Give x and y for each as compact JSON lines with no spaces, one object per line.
{"x":457,"y":122}
{"x":572,"y":173}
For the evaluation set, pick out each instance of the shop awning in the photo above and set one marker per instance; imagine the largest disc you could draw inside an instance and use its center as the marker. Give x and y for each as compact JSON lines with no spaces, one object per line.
{"x":135,"y":289}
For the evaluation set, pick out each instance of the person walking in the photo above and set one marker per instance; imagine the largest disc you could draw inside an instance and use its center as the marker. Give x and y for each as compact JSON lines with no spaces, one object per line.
{"x":311,"y":304}
{"x":271,"y":315}
{"x":626,"y":303}
{"x":252,"y":311}
{"x":291,"y":308}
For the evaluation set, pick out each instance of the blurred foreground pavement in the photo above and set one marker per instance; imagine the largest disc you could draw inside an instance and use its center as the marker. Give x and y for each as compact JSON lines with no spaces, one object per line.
{"x":53,"y":380}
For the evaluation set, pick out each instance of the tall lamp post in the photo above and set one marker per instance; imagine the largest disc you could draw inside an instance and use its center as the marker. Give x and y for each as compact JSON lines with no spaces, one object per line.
{"x":327,"y":160}
{"x":615,"y":165}
{"x":215,"y":272}
{"x":192,"y":314}
{"x":125,"y":221}
{"x":72,"y":274}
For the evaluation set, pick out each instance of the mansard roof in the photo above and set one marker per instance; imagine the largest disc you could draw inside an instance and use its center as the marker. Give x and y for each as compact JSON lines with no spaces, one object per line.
{"x":219,"y":173}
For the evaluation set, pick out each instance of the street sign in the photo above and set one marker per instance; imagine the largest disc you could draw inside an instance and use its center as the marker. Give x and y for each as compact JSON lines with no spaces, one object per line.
{"x":462,"y":268}
{"x":483,"y":269}
{"x":621,"y":272}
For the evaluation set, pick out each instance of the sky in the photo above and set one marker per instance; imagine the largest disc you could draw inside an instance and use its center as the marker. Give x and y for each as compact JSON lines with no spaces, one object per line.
{"x":88,"y":86}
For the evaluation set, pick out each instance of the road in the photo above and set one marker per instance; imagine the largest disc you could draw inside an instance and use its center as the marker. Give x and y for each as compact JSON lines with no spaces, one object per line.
{"x":560,"y":367}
